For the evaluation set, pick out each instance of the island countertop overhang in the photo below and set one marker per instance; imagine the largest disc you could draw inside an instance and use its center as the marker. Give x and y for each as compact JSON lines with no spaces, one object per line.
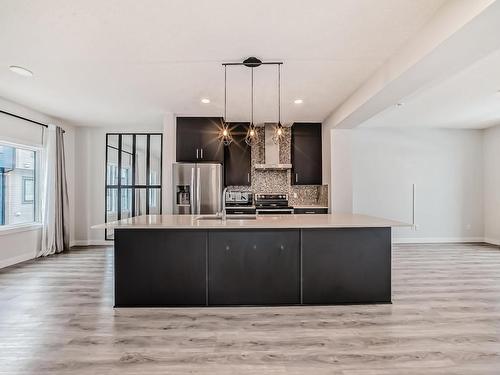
{"x":298,"y":221}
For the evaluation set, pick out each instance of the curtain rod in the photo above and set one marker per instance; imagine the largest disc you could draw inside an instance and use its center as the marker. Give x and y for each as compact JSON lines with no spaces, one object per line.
{"x":26,"y":119}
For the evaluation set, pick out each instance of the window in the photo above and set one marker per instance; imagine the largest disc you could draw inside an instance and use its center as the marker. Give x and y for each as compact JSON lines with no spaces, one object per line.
{"x":28,"y":190}
{"x":17,"y":184}
{"x":133,"y":175}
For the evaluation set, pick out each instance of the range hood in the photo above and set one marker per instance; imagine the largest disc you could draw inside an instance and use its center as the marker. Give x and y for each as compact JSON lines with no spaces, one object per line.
{"x":271,"y":152}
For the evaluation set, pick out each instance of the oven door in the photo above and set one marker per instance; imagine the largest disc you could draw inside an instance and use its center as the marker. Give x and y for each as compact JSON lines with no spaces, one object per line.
{"x":274,"y":211}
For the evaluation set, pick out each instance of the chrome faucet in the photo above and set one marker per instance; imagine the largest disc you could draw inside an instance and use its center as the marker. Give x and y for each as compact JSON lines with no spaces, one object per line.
{"x":223,"y":213}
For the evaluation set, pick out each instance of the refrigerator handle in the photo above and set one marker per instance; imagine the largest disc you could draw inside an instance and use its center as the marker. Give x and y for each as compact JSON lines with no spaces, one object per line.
{"x":191,"y":192}
{"x":198,"y":198}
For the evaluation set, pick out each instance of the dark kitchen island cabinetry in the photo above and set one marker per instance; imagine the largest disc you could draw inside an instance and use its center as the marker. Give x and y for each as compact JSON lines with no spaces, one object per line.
{"x":253,"y":267}
{"x":198,"y":140}
{"x":306,"y":154}
{"x":149,"y":271}
{"x":184,"y":260}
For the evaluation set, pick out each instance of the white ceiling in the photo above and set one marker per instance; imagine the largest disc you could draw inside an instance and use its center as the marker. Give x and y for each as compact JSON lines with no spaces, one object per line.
{"x":469,"y":100}
{"x":127,"y":62}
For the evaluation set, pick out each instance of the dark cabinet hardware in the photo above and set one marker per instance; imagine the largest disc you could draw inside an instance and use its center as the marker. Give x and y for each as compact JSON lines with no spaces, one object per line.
{"x":306,"y":154}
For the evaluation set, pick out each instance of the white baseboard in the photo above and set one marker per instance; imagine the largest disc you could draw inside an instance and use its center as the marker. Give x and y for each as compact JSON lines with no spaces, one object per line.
{"x":438,"y":240}
{"x":92,"y":243}
{"x":17,"y":259}
{"x":492,"y":241}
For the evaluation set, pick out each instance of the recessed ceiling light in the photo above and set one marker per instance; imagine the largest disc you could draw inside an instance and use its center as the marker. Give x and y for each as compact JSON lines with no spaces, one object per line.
{"x":205,"y":100}
{"x":21,"y":71}
{"x":298,"y":101}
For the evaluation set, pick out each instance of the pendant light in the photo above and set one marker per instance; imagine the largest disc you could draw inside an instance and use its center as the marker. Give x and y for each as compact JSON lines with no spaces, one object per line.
{"x":225,"y":133}
{"x":278,"y":131}
{"x":251,"y":136}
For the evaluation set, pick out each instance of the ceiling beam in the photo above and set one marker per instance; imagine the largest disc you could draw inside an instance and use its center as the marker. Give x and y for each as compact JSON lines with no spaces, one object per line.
{"x":460,"y":33}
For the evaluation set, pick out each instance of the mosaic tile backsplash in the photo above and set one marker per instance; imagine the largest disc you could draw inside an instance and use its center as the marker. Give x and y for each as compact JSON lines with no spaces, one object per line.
{"x":271,"y":181}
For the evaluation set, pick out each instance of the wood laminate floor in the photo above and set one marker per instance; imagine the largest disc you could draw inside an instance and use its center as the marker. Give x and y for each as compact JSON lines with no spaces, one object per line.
{"x":56,"y":317}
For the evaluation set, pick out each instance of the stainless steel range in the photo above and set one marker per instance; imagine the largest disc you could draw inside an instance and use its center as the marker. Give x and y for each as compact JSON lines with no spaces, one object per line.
{"x":272,"y":204}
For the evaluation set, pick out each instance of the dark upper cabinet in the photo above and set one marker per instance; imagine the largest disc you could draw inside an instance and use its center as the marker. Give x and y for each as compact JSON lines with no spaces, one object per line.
{"x":198,"y":140}
{"x":306,"y":154}
{"x":237,"y":157}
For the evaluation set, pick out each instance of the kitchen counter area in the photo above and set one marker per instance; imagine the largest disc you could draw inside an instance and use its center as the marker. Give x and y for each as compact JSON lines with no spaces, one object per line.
{"x":193,"y":260}
{"x":336,"y":220}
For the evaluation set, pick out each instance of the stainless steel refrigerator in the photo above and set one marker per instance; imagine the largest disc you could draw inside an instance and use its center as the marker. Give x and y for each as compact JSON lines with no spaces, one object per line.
{"x":197,"y":188}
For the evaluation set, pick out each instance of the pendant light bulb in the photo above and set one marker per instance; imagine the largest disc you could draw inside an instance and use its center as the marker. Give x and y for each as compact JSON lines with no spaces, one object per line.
{"x":252,"y":136}
{"x":224,"y":132}
{"x":279,"y":131}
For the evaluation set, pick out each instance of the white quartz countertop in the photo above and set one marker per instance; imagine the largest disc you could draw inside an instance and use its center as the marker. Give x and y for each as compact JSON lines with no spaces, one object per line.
{"x":334,"y":220}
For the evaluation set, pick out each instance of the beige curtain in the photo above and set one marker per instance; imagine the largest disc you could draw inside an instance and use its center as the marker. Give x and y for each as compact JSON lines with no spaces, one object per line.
{"x":55,"y":206}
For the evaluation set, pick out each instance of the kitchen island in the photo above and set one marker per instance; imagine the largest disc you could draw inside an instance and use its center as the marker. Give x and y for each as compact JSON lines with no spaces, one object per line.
{"x":186,"y":260}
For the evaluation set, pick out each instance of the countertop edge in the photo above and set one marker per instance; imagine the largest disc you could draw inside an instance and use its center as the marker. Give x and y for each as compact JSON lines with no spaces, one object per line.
{"x":304,"y":221}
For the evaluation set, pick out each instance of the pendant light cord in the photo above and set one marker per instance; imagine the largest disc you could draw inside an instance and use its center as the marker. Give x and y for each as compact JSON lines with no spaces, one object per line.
{"x":225,"y":93}
{"x":252,"y":99}
{"x":279,"y":94}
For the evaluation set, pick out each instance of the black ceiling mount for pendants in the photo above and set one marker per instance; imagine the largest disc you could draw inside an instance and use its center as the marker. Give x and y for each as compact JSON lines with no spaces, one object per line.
{"x":252,"y":62}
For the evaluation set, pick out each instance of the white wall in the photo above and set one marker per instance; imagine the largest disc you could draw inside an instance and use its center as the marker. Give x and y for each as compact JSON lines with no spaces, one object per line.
{"x":19,"y":246}
{"x":90,"y":179}
{"x":445,"y":165}
{"x":341,"y":198}
{"x":492,"y":185}
{"x":169,"y":157}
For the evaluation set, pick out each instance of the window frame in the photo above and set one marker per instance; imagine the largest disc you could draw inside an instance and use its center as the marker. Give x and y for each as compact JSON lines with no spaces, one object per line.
{"x":36,"y":193}
{"x":119,"y":187}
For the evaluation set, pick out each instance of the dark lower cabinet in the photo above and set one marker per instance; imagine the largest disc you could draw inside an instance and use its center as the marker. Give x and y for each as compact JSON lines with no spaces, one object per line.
{"x":346,"y":265}
{"x":254,"y":267}
{"x":311,"y":210}
{"x":240,"y":210}
{"x":160,"y":267}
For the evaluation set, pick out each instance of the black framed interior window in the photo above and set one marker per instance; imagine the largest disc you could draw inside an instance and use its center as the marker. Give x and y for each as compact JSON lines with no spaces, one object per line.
{"x":133,"y":175}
